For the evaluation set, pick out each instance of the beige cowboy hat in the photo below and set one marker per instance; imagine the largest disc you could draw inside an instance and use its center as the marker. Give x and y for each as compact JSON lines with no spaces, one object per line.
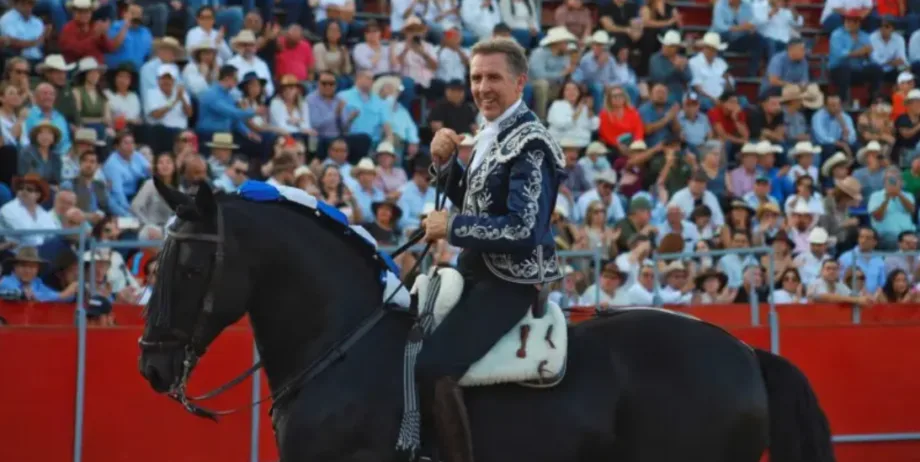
{"x":82,"y":5}
{"x":203,"y":45}
{"x":872,"y":146}
{"x":803,"y":147}
{"x":87,"y":136}
{"x":169,"y":42}
{"x":767,"y":207}
{"x":851,"y":187}
{"x":221,"y":141}
{"x":413,"y":22}
{"x":89,"y":64}
{"x":363,"y":165}
{"x":597,"y":148}
{"x":301,"y":171}
{"x":912,"y":95}
{"x":839,"y":158}
{"x":671,"y":38}
{"x":54,"y":63}
{"x":26,"y":254}
{"x":600,"y":37}
{"x":750,"y":148}
{"x":712,"y":40}
{"x":801,"y":207}
{"x":813,"y":97}
{"x":245,"y":36}
{"x":791,"y":93}
{"x":558,"y":34}
{"x":570,"y":143}
{"x":97,"y":255}
{"x":385,"y":80}
{"x":766,"y":147}
{"x":42,"y":126}
{"x":638,"y":145}
{"x":675,"y":265}
{"x":386,"y":147}
{"x":606,"y":176}
{"x":818,"y":235}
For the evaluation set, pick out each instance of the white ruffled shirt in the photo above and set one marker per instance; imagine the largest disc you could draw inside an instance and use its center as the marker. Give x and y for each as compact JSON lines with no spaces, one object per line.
{"x":488,"y":134}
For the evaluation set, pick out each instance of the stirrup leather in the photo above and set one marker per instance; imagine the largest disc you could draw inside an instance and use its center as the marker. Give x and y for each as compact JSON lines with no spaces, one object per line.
{"x":452,"y":422}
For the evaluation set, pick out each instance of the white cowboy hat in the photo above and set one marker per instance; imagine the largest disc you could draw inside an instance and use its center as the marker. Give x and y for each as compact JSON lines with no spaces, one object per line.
{"x":801,"y":207}
{"x":363,"y":165}
{"x":712,"y":40}
{"x":872,"y":146}
{"x":671,"y":38}
{"x":413,"y":21}
{"x":803,"y":147}
{"x":89,"y":64}
{"x":606,"y":176}
{"x":638,"y":145}
{"x":385,"y":80}
{"x":597,"y":148}
{"x":87,"y":135}
{"x":905,"y":76}
{"x":913,"y":94}
{"x":813,"y":98}
{"x":54,"y":62}
{"x":750,"y":148}
{"x":569,"y":142}
{"x":168,"y":69}
{"x":203,"y":45}
{"x":245,"y":36}
{"x":766,"y":147}
{"x":556,"y":35}
{"x":839,"y":158}
{"x":600,"y":37}
{"x":851,"y":187}
{"x":82,"y":4}
{"x":468,"y":139}
{"x":386,"y":147}
{"x":818,"y":236}
{"x":170,"y":42}
{"x":221,"y":141}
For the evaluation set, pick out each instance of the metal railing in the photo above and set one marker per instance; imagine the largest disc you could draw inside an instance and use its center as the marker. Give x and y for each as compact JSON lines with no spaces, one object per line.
{"x":856,"y":312}
{"x":86,"y":243}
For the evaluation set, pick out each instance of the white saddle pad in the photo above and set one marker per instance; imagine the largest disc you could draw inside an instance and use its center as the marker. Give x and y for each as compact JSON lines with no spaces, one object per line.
{"x":533,"y":353}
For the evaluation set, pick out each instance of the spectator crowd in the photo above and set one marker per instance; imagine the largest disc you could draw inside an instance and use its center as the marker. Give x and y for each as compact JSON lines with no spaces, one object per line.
{"x":671,"y":146}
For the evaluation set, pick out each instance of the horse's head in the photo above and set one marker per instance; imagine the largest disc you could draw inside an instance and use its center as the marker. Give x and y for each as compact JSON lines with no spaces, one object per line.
{"x":202,"y":288}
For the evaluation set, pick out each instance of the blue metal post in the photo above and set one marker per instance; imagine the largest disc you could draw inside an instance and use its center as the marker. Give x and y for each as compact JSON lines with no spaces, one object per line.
{"x":81,"y":355}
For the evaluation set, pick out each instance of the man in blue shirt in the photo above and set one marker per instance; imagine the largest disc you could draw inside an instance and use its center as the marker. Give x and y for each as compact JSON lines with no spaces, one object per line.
{"x":789,"y":67}
{"x":23,"y":33}
{"x":365,"y":112}
{"x":125,"y":169}
{"x":659,"y":118}
{"x":833,"y":128}
{"x":43,"y":110}
{"x":217,"y":110}
{"x":24,"y":279}
{"x":734,"y":21}
{"x":132,"y":47}
{"x":849,"y":61}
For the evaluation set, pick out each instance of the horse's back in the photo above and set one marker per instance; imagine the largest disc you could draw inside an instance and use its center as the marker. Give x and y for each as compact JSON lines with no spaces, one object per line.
{"x":636,"y":381}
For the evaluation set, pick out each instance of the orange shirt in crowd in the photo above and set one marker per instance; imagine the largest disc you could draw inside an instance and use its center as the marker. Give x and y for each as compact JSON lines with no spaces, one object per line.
{"x":718,"y":116}
{"x":296,"y":60}
{"x":888,"y":7}
{"x":611,"y":127}
{"x":897,"y":104}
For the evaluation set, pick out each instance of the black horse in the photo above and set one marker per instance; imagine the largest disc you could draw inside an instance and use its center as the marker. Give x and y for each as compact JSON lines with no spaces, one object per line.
{"x":641,"y":386}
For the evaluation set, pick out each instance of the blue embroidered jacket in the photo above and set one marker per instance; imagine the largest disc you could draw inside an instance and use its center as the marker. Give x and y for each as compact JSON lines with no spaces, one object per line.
{"x":506,"y":202}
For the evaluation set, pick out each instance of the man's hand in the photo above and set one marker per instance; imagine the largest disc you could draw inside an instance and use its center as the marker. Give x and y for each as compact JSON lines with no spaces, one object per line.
{"x":254,"y":137}
{"x":435,"y":225}
{"x":444,"y":144}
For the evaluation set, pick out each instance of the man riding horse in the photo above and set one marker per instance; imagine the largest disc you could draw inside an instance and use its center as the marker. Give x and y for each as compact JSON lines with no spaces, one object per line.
{"x":505,"y":195}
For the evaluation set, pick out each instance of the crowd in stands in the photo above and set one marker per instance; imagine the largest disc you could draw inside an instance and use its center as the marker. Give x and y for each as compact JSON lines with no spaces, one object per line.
{"x":666,"y":150}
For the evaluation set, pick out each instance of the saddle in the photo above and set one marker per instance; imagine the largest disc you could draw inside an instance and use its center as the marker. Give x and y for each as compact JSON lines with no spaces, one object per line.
{"x":532,"y":354}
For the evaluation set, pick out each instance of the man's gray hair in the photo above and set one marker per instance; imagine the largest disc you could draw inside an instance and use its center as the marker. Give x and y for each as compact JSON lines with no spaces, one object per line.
{"x":514,"y":53}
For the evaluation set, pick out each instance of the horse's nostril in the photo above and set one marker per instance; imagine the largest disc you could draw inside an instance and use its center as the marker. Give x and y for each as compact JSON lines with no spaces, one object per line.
{"x":156,"y":381}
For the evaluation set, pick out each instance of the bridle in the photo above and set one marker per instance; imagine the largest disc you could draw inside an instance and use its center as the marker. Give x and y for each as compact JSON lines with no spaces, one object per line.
{"x":195,"y":347}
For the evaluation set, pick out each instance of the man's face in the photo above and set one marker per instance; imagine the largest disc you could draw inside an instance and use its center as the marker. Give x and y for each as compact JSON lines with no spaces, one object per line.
{"x":571,"y":156}
{"x":126,"y":146}
{"x":166,"y":84}
{"x":253,"y":22}
{"x":749,"y":161}
{"x":831,"y":271}
{"x":696,"y":187}
{"x":72,"y":218}
{"x":833,"y":105}
{"x":238,"y":172}
{"x":767,"y":160}
{"x":866,"y":240}
{"x":82,"y":16}
{"x":731,"y":105}
{"x":740,"y":241}
{"x":796,"y":52}
{"x":802,"y":221}
{"x":138,"y":13}
{"x":674,"y":215}
{"x":454,"y":95}
{"x":338,"y":152}
{"x":196,"y":171}
{"x":647,"y":277}
{"x":223,"y":155}
{"x":886,"y":30}
{"x":609,"y":282}
{"x":366,"y":179}
{"x":495,"y":87}
{"x":64,"y":201}
{"x":605,"y":190}
{"x":248,"y":50}
{"x":669,"y":50}
{"x":914,"y":106}
{"x":818,"y":249}
{"x":908,"y":242}
{"x":372,"y":35}
{"x":641,"y":217}
{"x":206,"y":19}
{"x":677,"y":279}
{"x":364,"y":81}
{"x":327,"y":86}
{"x":691,"y":108}
{"x":851,"y":24}
{"x":26,"y":271}
{"x":772,"y":106}
{"x":659,"y":95}
{"x":599,"y":49}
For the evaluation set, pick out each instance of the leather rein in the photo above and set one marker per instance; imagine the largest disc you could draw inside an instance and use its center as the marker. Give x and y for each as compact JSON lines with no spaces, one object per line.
{"x":194,"y":347}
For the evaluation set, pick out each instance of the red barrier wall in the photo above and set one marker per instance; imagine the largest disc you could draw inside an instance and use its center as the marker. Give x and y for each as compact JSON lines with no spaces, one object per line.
{"x":865,"y":376}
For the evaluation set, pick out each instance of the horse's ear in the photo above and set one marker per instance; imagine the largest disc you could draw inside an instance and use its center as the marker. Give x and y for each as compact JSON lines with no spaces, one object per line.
{"x":174,"y":198}
{"x":204,"y":199}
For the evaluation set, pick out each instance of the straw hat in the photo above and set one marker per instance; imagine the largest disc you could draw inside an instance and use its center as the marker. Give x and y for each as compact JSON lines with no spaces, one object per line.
{"x":301,"y":171}
{"x":839,"y":158}
{"x":750,"y":148}
{"x":791,"y":92}
{"x":638,"y":145}
{"x":244,"y":37}
{"x":872,"y":146}
{"x":203,"y":45}
{"x":365,"y":165}
{"x":221,"y":141}
{"x":33,"y":133}
{"x":597,"y":148}
{"x":35,"y":180}
{"x":386,"y":147}
{"x":607,"y":176}
{"x":803,"y":147}
{"x":818,"y":236}
{"x":600,"y":37}
{"x":711,"y":273}
{"x":767,"y":207}
{"x":89,"y":64}
{"x":81,"y":5}
{"x":813,"y":96}
{"x":289,"y":80}
{"x":671,"y":38}
{"x":712,"y":40}
{"x":851,"y":187}
{"x":54,"y":63}
{"x":413,"y":22}
{"x":26,"y":254}
{"x":570,"y":143}
{"x":385,"y":80}
{"x":558,"y":34}
{"x":169,"y":42}
{"x":88,"y":136}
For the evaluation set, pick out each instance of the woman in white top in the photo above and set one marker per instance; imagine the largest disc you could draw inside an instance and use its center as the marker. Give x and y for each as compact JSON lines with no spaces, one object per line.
{"x":205,"y":31}
{"x":789,"y":288}
{"x":11,"y":119}
{"x":521,"y":17}
{"x":572,"y":116}
{"x":201,"y":71}
{"x":148,"y":206}
{"x":288,"y":111}
{"x":805,"y":192}
{"x":123,"y":101}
